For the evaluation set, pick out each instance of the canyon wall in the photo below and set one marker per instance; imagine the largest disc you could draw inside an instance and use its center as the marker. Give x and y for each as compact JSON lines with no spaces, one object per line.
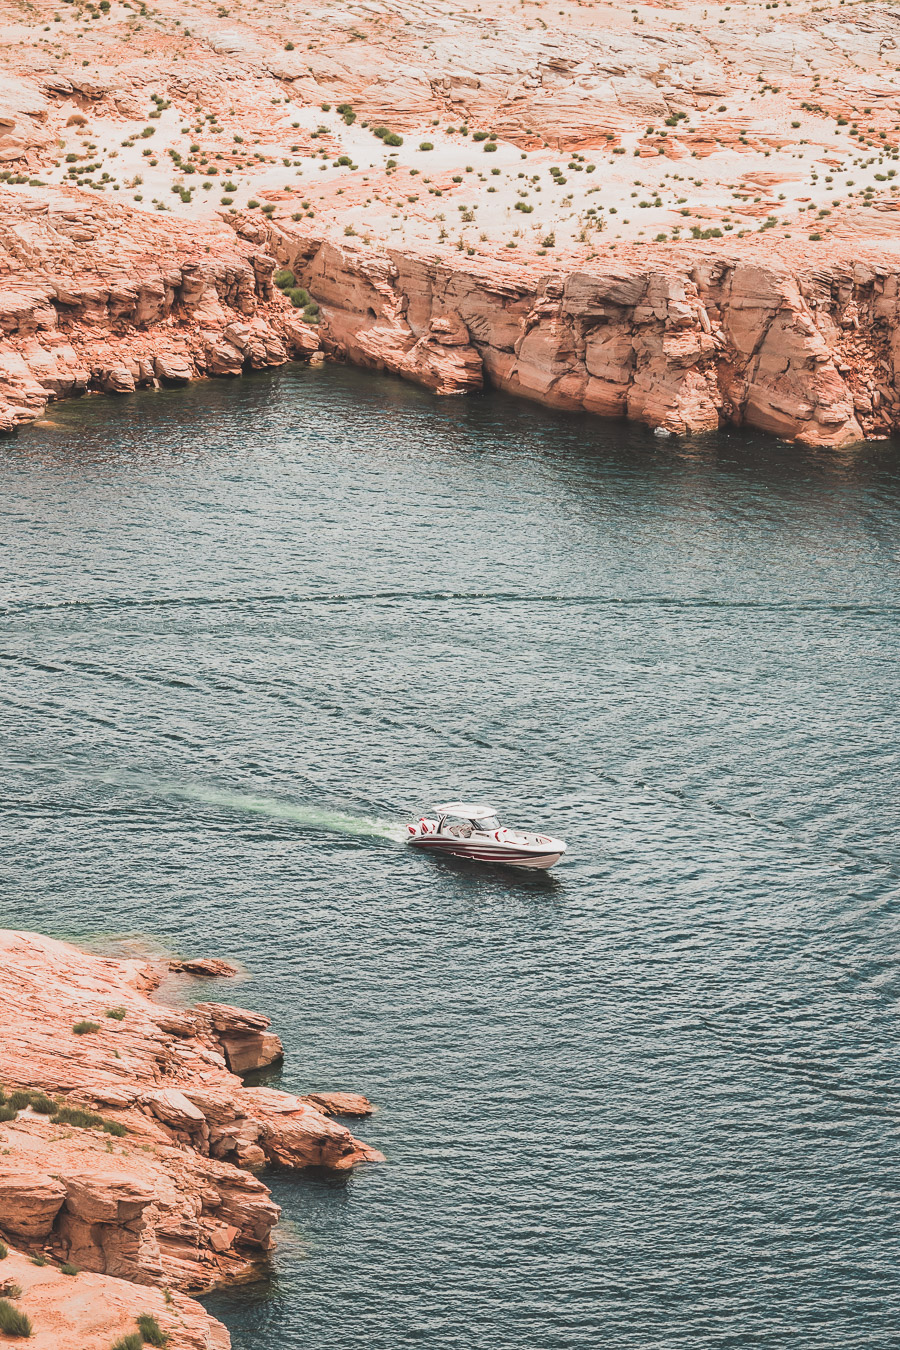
{"x":106,"y":299}
{"x":689,"y":344}
{"x":128,"y":1146}
{"x":690,"y":341}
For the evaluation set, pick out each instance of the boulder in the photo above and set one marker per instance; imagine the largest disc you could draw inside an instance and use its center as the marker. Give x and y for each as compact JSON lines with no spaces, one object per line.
{"x":106,"y":1197}
{"x":118,"y":380}
{"x":174,"y":1108}
{"x":205,"y":965}
{"x":29,"y":1203}
{"x":222,"y":358}
{"x":340,"y":1103}
{"x":243,"y":1037}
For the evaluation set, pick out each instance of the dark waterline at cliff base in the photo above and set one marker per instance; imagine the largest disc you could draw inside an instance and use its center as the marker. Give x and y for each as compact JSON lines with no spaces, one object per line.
{"x":646,"y":1100}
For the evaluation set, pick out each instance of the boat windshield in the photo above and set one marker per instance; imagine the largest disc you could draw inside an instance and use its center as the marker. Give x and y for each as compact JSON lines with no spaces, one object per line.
{"x":487,"y":823}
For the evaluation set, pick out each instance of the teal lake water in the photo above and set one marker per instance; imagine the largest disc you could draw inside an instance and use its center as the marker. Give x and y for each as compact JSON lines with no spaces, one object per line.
{"x":647,"y":1101}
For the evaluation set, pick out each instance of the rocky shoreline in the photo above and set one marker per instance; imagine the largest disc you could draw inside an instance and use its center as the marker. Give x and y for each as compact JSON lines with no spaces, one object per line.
{"x":128,"y":1147}
{"x":688,"y":342}
{"x":105,"y":299}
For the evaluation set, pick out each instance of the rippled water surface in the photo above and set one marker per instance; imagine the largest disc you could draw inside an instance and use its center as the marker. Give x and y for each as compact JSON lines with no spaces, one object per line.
{"x":647,"y":1100}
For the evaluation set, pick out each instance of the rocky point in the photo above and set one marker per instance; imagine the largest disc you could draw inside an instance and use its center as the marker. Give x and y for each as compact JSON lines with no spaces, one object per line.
{"x":129,"y":1146}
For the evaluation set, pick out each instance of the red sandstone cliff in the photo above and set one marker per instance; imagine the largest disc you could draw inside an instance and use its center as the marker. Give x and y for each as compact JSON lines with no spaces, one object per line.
{"x":689,"y":340}
{"x":688,"y":343}
{"x":149,"y":1181}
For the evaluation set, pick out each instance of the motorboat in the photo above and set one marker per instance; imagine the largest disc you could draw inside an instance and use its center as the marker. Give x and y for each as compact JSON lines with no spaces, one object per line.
{"x":471,"y":830}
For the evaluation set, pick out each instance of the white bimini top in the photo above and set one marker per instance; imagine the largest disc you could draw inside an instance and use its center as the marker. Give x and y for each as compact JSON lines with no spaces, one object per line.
{"x":469,"y":810}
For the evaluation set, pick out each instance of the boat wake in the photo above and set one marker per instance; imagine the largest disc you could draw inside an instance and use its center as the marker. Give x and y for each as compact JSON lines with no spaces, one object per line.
{"x":315,"y":818}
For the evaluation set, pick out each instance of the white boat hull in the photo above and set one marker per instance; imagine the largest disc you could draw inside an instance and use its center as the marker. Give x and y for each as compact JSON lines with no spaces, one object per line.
{"x":509,"y":855}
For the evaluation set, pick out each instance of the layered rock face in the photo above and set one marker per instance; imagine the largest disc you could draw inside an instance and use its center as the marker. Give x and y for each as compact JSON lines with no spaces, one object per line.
{"x":688,"y":345}
{"x":145,"y":1175}
{"x":102,"y":298}
{"x":689,"y":340}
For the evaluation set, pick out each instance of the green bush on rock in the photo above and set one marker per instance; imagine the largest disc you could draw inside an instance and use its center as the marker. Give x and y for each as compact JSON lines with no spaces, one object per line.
{"x":151,"y":1331}
{"x":13,"y":1322}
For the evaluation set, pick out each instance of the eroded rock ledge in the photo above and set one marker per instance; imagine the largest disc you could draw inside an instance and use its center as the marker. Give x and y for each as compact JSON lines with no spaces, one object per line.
{"x":688,"y":343}
{"x":153,"y":1183}
{"x":96,"y":297}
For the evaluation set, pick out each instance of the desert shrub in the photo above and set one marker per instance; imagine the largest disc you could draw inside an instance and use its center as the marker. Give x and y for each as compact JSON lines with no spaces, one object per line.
{"x":289,"y":46}
{"x":151,"y":1331}
{"x":68,"y":1269}
{"x":392,"y":138}
{"x":74,"y":1115}
{"x":39,"y":1260}
{"x":252,"y":204}
{"x":13,"y":1322}
{"x":284,"y":279}
{"x":310,"y":308}
{"x":38,"y":1101}
{"x":10,"y":1290}
{"x":311,"y":313}
{"x":84,"y":1027}
{"x":298,"y":296}
{"x":8,"y":1113}
{"x":426,"y":145}
{"x":132,"y":1342}
{"x":4,"y":1251}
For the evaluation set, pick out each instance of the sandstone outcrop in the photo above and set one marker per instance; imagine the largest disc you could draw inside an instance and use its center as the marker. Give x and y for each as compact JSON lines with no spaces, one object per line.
{"x":688,"y":341}
{"x":136,"y":304}
{"x":143,"y":1169}
{"x":698,"y":342}
{"x":736,"y":175}
{"x":211,"y":966}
